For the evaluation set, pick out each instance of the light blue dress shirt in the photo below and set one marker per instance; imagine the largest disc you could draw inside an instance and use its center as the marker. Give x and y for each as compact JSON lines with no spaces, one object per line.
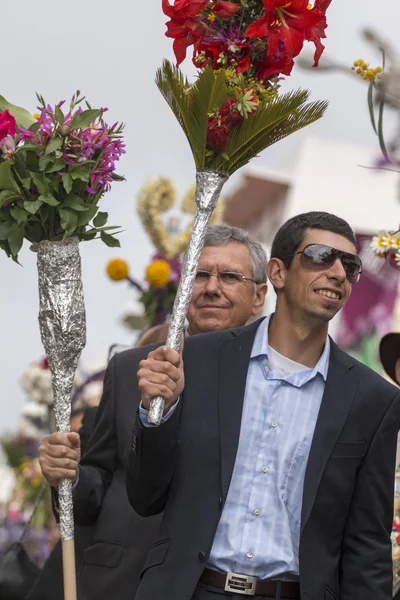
{"x":259,"y":530}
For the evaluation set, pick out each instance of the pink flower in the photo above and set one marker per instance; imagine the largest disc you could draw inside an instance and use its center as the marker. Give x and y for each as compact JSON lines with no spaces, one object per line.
{"x":7,"y":124}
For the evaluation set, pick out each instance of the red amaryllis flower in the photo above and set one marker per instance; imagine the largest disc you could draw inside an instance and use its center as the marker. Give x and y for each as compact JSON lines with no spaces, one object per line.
{"x":268,"y":68}
{"x":184,"y":27}
{"x":315,"y":33}
{"x":226,"y":10}
{"x":285,"y":22}
{"x":183,"y":9}
{"x":185,"y":33}
{"x":7,"y":124}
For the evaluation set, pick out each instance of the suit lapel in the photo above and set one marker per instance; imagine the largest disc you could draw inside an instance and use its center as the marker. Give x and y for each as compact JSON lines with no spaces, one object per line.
{"x":340,"y":389}
{"x":234,"y":364}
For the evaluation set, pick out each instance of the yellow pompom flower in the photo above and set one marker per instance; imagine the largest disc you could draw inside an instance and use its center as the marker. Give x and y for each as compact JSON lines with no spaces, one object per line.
{"x":117,"y":269}
{"x":158,"y":273}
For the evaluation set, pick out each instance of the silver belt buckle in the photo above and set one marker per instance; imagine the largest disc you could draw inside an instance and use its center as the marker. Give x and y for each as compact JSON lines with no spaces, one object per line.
{"x":241,"y":584}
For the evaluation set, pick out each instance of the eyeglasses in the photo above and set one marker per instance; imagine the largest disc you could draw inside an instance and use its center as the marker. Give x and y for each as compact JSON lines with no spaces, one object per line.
{"x":226,"y":278}
{"x":318,"y":257}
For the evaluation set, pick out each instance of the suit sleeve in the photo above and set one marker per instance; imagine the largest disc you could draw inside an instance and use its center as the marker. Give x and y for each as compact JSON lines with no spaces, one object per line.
{"x":100,"y":458}
{"x":366,"y":565}
{"x":150,"y":464}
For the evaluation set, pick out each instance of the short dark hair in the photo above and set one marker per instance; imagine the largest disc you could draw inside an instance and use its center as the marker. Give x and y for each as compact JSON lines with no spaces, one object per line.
{"x":291,"y":234}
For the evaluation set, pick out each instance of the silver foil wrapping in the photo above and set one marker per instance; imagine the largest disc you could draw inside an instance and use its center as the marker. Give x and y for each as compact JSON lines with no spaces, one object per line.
{"x":63,"y":331}
{"x":209,"y":185}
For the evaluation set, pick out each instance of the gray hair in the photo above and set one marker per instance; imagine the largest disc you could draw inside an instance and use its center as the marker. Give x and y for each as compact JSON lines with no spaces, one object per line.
{"x":222,"y":233}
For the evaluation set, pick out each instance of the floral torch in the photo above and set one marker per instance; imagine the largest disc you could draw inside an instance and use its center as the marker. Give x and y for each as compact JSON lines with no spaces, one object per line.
{"x":63,"y":332}
{"x":208,"y":190}
{"x":234,"y":110}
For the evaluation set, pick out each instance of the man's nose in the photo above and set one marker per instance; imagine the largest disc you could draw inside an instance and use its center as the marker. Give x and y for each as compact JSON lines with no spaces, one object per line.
{"x":337,"y":270}
{"x":213,"y":285}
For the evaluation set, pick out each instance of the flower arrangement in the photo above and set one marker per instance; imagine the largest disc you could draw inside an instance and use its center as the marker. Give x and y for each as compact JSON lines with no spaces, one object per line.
{"x":234,"y":110}
{"x":54,"y":168}
{"x":387,"y":245}
{"x":157,"y":298}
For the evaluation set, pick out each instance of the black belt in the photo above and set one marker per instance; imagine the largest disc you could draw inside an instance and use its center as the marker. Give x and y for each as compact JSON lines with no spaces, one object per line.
{"x":250,"y":586}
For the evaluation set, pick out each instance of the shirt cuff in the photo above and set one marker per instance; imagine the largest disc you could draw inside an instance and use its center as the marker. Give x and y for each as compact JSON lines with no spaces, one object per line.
{"x":143,"y":415}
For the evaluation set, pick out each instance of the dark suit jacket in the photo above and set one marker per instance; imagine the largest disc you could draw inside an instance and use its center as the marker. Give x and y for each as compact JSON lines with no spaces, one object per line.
{"x":113,"y":561}
{"x":184,"y":468}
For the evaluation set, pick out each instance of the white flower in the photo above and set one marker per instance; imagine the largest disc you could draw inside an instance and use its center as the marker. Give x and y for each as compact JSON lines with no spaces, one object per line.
{"x":382,"y":242}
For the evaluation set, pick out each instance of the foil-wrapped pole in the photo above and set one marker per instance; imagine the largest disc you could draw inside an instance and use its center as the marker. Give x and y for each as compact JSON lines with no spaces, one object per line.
{"x":62,"y":324}
{"x":209,"y":185}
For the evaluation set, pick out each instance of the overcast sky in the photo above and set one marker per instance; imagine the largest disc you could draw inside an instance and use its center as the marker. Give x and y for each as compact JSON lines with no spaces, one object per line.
{"x":110,"y":51}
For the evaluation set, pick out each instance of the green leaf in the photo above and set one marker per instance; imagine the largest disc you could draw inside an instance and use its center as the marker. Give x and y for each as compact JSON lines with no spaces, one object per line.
{"x":28,"y":147}
{"x":68,"y":220}
{"x":45,"y":161}
{"x":67,"y":182}
{"x":19,"y":214}
{"x":23,"y":118}
{"x":86,"y":236}
{"x":7,"y":196}
{"x":110,"y":240}
{"x":49,"y":199}
{"x":5,"y":229}
{"x":84,"y":119}
{"x":7,"y":181}
{"x":73,"y":201}
{"x":40,"y":181}
{"x":59,"y":115}
{"x":16,"y":239}
{"x":380,"y":125}
{"x":85,"y":217}
{"x":371,"y":88}
{"x":58,"y":165}
{"x":273,"y":121}
{"x":79,"y":172}
{"x":54,"y":145}
{"x":32,"y":206}
{"x":101,"y":219}
{"x":26,"y":183}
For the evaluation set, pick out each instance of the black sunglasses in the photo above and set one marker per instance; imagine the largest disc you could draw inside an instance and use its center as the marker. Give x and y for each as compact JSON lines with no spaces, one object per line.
{"x":318,"y":257}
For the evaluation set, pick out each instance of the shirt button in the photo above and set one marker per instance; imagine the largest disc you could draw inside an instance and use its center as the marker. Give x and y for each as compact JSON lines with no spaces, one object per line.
{"x":266,"y":362}
{"x":249,"y":555}
{"x":265,"y":469}
{"x":274,"y":424}
{"x":257,"y":512}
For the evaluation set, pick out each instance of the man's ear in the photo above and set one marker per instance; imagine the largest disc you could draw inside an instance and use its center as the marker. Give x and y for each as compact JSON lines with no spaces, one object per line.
{"x":276,"y":271}
{"x":259,"y":298}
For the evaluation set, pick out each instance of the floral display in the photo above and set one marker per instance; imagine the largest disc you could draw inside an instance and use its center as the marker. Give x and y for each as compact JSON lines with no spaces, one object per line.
{"x":234,"y":110}
{"x":387,"y":245}
{"x":54,"y":168}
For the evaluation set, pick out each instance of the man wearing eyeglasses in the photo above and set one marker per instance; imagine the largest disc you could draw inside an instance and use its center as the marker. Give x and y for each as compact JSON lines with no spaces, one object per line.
{"x":274,"y":462}
{"x":230,"y":289}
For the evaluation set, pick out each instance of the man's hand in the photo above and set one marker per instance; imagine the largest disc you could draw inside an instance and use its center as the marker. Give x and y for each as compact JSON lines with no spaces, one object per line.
{"x":161,"y":374}
{"x":59,"y":456}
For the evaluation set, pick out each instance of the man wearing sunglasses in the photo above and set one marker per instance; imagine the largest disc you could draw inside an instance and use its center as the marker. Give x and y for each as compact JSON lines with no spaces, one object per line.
{"x":274,"y":463}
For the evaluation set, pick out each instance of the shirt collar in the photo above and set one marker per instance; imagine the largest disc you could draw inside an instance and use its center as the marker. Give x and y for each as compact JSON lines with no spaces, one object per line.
{"x":260,"y":348}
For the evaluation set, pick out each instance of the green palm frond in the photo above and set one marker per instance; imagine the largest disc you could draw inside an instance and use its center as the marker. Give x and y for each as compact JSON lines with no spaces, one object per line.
{"x":191,"y":104}
{"x":173,"y":85}
{"x":208,"y":94}
{"x":268,"y":125}
{"x":272,"y":121}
